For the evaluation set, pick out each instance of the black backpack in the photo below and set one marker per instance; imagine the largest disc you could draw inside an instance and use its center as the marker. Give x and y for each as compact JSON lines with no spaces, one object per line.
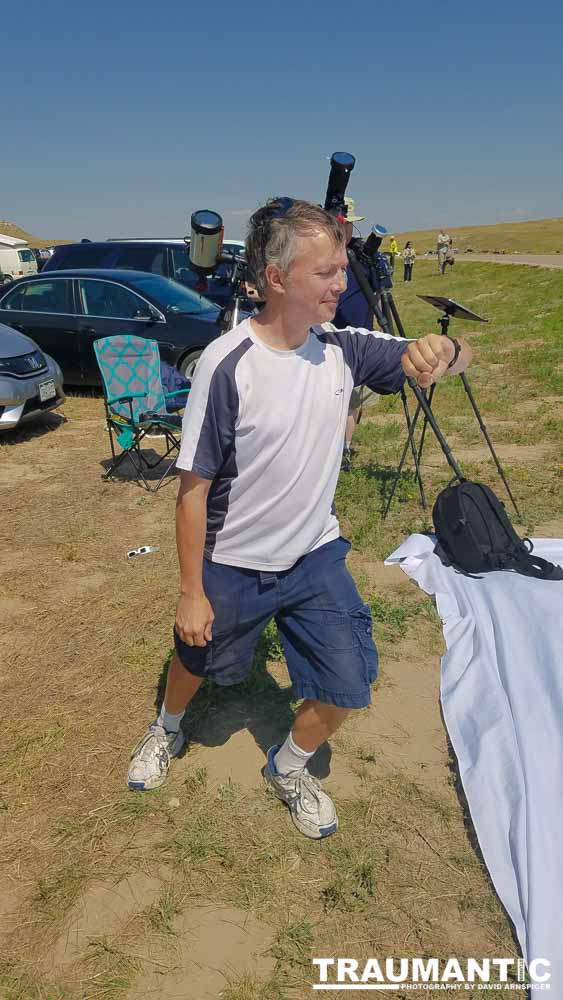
{"x":475,"y":535}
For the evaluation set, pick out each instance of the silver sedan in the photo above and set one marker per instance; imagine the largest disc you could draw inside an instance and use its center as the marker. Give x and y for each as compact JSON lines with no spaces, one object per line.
{"x":30,"y":381}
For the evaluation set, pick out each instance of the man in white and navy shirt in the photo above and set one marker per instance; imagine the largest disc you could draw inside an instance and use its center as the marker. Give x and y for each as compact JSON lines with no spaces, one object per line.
{"x":258,"y":537}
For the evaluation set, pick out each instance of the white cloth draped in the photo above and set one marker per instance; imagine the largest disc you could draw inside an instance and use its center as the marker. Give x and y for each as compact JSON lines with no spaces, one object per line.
{"x":502,"y":699}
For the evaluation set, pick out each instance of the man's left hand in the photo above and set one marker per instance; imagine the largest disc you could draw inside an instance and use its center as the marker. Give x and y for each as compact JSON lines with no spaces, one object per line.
{"x":428,"y":358}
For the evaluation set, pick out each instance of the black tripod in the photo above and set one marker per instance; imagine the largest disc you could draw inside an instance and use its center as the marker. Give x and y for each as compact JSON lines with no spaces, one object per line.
{"x":341,"y":165}
{"x":450,"y":308}
{"x":385,"y":319}
{"x":385,"y":313}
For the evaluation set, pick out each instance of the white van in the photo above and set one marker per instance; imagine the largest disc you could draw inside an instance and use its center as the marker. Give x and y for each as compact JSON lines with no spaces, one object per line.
{"x":16,"y":259}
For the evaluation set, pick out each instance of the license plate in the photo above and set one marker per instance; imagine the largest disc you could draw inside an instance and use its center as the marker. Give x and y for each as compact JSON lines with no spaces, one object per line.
{"x":47,"y":390}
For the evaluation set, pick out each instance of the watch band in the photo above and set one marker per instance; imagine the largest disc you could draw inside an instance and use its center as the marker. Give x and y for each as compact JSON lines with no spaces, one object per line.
{"x":457,"y":349}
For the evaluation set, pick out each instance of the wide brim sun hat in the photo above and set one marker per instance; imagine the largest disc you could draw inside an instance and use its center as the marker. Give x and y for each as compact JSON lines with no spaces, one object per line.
{"x":351,"y":211}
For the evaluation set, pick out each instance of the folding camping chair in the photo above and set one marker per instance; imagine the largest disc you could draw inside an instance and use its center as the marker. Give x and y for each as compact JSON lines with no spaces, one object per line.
{"x":135,"y":403}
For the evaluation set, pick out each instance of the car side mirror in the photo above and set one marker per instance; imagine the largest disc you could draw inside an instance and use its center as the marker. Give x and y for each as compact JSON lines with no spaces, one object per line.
{"x":151,"y":315}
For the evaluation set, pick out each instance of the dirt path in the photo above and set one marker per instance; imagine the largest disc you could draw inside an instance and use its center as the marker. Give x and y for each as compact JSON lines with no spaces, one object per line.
{"x":532,"y":259}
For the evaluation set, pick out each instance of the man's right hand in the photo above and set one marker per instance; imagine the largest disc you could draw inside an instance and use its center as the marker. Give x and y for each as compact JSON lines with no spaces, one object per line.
{"x":194,"y":619}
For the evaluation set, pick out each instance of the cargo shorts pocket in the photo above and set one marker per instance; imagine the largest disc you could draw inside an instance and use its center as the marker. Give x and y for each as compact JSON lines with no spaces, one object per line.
{"x":362,"y":625}
{"x":341,"y":631}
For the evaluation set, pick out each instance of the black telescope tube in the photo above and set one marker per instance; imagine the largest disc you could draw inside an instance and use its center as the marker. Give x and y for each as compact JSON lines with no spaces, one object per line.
{"x":341,"y":166}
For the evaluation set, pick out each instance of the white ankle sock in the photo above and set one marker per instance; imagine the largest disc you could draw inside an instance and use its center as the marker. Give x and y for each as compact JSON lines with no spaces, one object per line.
{"x":170,"y":723}
{"x":291,"y":758}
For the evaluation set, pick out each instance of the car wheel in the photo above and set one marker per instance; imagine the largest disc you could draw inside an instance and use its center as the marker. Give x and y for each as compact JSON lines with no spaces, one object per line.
{"x":5,"y":279}
{"x":188,"y":363}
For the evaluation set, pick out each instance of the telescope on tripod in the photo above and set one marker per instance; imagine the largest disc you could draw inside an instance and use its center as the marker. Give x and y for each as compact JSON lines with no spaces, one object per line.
{"x":385,"y":310}
{"x":206,"y":254}
{"x":449,"y":309}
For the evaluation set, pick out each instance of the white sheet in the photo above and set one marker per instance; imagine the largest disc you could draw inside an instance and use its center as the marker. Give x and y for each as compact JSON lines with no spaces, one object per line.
{"x":502,"y":698}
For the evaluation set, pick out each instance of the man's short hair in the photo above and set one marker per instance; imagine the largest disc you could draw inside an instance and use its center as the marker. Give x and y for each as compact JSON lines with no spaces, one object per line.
{"x":274,"y":230}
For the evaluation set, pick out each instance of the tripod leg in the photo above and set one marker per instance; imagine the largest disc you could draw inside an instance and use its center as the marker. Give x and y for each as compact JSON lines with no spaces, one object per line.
{"x":387,"y":313}
{"x":396,"y":317}
{"x":425,"y":424}
{"x":400,"y":328}
{"x":415,"y":453}
{"x":485,"y":433}
{"x":410,"y":441}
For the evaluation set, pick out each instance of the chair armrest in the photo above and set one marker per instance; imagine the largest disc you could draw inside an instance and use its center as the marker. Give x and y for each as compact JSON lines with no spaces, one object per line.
{"x":177,"y":392}
{"x":125,"y":399}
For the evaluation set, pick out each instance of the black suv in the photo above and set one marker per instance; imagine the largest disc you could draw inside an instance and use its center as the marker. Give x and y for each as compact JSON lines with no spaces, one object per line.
{"x":41,"y":256}
{"x":166,"y":257}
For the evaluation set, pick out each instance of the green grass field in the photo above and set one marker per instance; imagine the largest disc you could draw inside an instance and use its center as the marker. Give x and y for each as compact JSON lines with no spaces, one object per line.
{"x":211,"y":891}
{"x":517,"y":379}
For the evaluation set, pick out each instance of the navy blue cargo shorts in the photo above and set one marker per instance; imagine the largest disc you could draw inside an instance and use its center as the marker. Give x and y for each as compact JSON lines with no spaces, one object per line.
{"x":325,"y":627}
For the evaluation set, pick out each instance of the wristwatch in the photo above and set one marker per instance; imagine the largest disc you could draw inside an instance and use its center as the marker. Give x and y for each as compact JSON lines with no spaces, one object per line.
{"x":457,"y":349}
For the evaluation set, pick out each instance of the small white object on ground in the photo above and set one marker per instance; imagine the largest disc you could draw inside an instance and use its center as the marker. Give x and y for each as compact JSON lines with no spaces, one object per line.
{"x":142,"y":551}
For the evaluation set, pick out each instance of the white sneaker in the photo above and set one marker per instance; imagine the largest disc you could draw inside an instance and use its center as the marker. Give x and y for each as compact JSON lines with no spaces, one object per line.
{"x":312,"y":810}
{"x":150,"y":760}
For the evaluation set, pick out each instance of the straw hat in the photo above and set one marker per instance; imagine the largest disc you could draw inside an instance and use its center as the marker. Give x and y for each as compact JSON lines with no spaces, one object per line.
{"x":351,"y":211}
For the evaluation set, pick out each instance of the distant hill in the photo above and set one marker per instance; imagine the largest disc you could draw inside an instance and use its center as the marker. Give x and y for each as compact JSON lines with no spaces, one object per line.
{"x":10,"y":229}
{"x":535,"y":236}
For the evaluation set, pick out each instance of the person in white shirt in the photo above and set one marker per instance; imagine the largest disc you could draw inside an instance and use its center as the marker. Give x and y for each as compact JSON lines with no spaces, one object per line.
{"x":409,"y":257}
{"x":258,"y":537}
{"x":443,"y":249}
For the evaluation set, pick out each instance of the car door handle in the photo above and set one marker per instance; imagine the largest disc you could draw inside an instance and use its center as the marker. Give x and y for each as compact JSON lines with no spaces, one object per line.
{"x":18,"y":326}
{"x":86,"y":329}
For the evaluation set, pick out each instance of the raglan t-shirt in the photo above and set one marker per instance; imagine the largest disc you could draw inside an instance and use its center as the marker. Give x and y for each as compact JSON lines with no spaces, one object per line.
{"x":267,"y":427}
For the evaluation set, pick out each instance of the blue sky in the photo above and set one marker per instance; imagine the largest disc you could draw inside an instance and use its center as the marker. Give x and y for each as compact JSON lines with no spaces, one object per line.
{"x":122,"y":118}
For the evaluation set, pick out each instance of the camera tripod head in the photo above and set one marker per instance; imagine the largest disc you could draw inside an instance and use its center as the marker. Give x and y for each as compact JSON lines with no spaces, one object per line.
{"x":452,"y":308}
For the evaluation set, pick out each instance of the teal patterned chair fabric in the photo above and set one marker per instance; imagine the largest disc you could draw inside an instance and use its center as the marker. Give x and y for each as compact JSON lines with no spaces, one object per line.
{"x":135,"y":403}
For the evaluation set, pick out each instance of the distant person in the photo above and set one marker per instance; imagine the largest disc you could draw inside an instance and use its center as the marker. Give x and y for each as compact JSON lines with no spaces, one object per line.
{"x":393,"y":251}
{"x":409,"y":257}
{"x":252,"y":293}
{"x":443,"y":249}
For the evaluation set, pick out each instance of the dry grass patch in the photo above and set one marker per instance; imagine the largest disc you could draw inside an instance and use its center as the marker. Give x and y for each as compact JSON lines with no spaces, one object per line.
{"x":534,"y":236}
{"x":86,"y":639}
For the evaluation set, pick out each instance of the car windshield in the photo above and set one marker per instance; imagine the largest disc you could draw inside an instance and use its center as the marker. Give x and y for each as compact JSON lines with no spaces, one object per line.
{"x":234,"y":248}
{"x":172,"y":295}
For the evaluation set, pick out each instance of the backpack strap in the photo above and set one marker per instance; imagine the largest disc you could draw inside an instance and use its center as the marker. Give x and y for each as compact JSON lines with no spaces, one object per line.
{"x":447,"y":560}
{"x":520,"y":558}
{"x":442,"y":554}
{"x":529,"y":565}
